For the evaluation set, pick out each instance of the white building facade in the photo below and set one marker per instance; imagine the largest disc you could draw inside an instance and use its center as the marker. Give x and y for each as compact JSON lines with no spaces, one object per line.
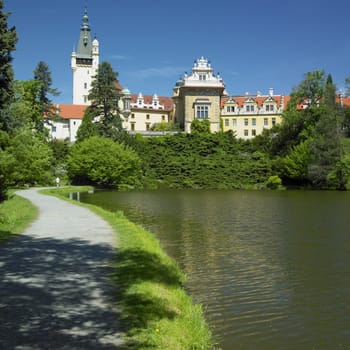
{"x":84,"y":63}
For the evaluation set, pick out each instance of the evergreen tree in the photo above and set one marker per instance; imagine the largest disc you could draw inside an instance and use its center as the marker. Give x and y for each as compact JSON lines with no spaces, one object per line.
{"x":24,"y":111}
{"x":87,"y":128}
{"x":104,"y":96}
{"x":325,"y":146}
{"x":8,"y":40}
{"x":42,"y":75}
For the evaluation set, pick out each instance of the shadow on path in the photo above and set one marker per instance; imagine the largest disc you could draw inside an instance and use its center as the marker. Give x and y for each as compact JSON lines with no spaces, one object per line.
{"x":57,"y":294}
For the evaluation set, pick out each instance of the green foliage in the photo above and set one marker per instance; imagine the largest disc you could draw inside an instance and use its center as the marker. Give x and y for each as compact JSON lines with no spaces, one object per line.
{"x":200,"y":126}
{"x":42,"y":75}
{"x":15,"y":215}
{"x":27,"y":160}
{"x":274,"y":182}
{"x":101,"y":161}
{"x":294,"y":166}
{"x":165,"y":126}
{"x":307,"y":142}
{"x":87,"y":128}
{"x":312,"y":88}
{"x":60,"y":150}
{"x":25,"y":110}
{"x":8,"y":40}
{"x":104,"y":97}
{"x":202,"y":160}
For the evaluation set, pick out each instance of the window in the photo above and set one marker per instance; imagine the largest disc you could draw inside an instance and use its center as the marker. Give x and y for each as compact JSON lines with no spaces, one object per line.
{"x":148,"y":126}
{"x":74,"y":123}
{"x":269,"y":108}
{"x":163,"y":118}
{"x":202,"y":112}
{"x":234,"y":122}
{"x":249,"y":108}
{"x":273,"y":121}
{"x":132,"y":125}
{"x":132,"y":115}
{"x":245,"y":132}
{"x":266,"y":122}
{"x":202,"y":77}
{"x":147,"y":116}
{"x":246,"y":121}
{"x":253,"y":121}
{"x":85,"y":99}
{"x":230,"y":109}
{"x":253,"y":132}
{"x":227,"y":122}
{"x":85,"y":85}
{"x":53,"y":128}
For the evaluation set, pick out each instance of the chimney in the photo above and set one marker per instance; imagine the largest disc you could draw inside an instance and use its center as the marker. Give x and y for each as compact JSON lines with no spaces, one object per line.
{"x":271,"y":91}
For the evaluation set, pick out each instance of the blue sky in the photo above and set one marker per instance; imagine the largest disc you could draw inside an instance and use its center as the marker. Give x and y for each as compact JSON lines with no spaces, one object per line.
{"x":254,"y":45}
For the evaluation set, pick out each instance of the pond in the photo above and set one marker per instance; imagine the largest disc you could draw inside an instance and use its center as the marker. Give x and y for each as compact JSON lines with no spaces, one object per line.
{"x":272,"y":268}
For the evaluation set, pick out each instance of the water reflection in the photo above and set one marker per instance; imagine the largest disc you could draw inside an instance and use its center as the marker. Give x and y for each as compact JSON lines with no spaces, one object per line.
{"x":272,"y":268}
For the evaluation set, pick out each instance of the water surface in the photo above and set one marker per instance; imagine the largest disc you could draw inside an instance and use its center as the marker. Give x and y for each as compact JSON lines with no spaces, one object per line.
{"x":272,"y":268}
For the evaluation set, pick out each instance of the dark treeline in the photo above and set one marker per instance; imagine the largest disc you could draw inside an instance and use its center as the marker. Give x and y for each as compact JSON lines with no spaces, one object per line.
{"x":202,"y":160}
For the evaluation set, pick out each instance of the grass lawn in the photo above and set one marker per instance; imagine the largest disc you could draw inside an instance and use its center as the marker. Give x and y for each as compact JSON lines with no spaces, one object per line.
{"x":16,"y":214}
{"x":156,"y":311}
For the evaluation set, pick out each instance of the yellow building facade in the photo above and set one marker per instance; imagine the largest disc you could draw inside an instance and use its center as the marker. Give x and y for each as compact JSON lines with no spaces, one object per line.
{"x":247,"y":116}
{"x":198,"y":96}
{"x":147,"y":111}
{"x":202,"y":95}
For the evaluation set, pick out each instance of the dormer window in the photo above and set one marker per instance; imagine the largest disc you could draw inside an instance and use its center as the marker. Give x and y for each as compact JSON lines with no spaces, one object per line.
{"x":249,"y":108}
{"x":202,"y":77}
{"x":269,"y":108}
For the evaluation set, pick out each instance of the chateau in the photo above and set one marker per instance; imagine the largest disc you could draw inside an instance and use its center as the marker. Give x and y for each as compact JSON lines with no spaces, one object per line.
{"x":198,"y":95}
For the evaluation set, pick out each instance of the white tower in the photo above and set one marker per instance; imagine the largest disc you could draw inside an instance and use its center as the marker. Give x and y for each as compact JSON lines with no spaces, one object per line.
{"x":84,"y":63}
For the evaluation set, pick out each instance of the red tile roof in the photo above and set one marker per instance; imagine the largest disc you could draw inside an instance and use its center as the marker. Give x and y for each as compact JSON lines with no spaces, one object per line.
{"x":257,"y":99}
{"x":167,"y":102}
{"x":71,"y":111}
{"x":346,"y":101}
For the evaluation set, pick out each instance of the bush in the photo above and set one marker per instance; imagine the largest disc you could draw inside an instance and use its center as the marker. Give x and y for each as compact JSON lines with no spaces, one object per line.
{"x":103,"y":162}
{"x":274,"y":182}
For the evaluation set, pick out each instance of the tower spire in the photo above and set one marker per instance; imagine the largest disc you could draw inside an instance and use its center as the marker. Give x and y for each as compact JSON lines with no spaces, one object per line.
{"x":85,"y":44}
{"x":85,"y":24}
{"x":84,"y":62}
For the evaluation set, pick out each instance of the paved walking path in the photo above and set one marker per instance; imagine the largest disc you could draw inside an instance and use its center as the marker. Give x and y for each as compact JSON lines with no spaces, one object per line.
{"x":55,"y":292}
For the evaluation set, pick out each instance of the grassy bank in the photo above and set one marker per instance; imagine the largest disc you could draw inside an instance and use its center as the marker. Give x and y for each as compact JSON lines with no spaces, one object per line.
{"x":16,"y":214}
{"x":156,"y":312}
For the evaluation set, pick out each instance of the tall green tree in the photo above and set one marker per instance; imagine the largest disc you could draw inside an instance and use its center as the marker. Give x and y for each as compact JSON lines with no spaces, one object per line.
{"x":42,"y":75}
{"x":308,"y":140}
{"x":25,"y":110}
{"x":87,"y":128}
{"x":8,"y":40}
{"x":104,"y":96}
{"x":325,"y":146}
